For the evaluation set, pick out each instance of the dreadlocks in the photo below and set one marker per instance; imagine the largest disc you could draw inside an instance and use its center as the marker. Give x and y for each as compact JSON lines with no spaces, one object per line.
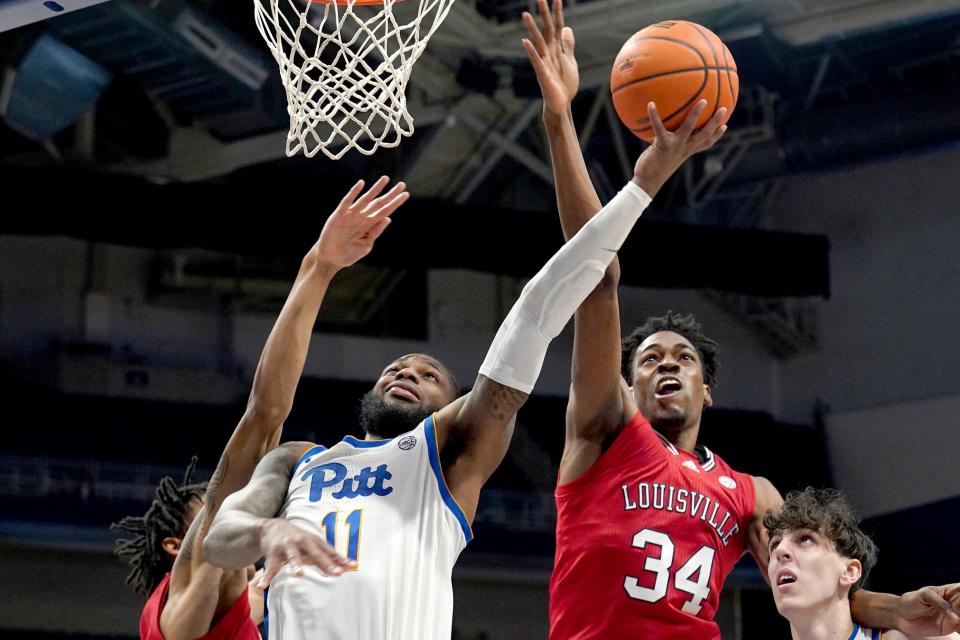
{"x":686,"y":326}
{"x":165,"y":518}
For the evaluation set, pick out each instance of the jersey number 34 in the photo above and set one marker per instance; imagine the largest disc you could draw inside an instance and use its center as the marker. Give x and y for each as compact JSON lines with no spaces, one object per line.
{"x":700,"y":563}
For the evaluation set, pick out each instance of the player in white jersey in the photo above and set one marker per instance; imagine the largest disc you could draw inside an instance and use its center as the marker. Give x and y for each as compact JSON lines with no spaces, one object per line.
{"x":362,"y":537}
{"x":818,"y":557}
{"x":357,"y":494}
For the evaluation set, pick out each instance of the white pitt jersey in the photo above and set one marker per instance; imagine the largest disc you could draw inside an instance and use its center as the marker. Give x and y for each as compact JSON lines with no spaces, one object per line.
{"x":861,"y":633}
{"x":384,"y":504}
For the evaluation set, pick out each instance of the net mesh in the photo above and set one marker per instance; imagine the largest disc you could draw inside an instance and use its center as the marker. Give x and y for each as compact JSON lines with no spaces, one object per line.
{"x":345,"y":68}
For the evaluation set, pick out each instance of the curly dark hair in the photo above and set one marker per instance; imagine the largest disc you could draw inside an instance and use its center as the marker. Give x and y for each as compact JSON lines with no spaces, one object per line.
{"x":165,"y":518}
{"x":688,"y":327}
{"x":827,"y":512}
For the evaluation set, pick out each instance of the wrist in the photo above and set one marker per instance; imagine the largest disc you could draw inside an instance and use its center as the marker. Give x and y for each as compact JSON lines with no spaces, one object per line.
{"x":876,"y":610}
{"x":555,"y":122}
{"x":315,"y":265}
{"x":262,"y":527}
{"x":651,"y":182}
{"x":652,"y":171}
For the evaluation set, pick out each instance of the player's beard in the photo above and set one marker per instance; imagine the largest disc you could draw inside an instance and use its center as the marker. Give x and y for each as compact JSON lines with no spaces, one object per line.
{"x":385,"y":420}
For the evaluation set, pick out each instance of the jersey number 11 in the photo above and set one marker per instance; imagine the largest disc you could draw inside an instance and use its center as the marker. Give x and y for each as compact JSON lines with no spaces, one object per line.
{"x":353,"y":523}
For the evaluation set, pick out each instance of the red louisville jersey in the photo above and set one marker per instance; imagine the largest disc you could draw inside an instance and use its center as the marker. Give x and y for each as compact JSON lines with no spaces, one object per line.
{"x":234,"y":625}
{"x":645,"y":539}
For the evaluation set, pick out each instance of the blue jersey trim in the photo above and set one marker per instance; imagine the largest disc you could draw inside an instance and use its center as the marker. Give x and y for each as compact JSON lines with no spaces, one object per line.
{"x":856,"y":630}
{"x":365,"y":444}
{"x":306,"y":454}
{"x":430,"y":432}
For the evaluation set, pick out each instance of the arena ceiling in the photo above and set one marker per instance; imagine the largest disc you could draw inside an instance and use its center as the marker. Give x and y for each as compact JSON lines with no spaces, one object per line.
{"x":190,"y":92}
{"x":106,"y":101}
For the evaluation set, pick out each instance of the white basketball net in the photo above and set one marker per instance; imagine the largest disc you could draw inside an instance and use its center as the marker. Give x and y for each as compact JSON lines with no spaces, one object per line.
{"x":345,"y":68}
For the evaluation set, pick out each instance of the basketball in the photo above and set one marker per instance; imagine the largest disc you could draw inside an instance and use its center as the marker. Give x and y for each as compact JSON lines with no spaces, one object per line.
{"x":673,"y":64}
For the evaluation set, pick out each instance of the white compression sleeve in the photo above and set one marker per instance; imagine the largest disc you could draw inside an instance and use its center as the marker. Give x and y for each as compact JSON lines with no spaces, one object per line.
{"x":552,"y":296}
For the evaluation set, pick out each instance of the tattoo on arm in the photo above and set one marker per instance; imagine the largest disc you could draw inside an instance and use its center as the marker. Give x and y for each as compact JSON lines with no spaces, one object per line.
{"x":234,"y":539}
{"x":264,"y":496}
{"x":213,"y":490}
{"x":186,"y":549}
{"x":187,"y":545}
{"x":502,"y":401}
{"x":266,"y":502}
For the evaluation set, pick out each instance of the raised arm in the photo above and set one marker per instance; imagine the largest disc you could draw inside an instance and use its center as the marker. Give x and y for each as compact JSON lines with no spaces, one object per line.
{"x":597,"y":407}
{"x":347,"y":236}
{"x":474,"y":431}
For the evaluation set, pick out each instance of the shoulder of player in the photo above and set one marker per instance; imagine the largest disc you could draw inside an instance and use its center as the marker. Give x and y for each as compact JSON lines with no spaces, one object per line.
{"x":281,"y":462}
{"x":295,"y":447}
{"x":767,"y":497}
{"x":587,"y":454}
{"x":287,"y":453}
{"x":448,"y":417}
{"x":193,"y":600}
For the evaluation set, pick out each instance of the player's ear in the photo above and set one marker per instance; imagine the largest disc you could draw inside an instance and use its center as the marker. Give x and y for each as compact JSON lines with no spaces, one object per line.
{"x":171,"y":546}
{"x":707,"y":396}
{"x":852,"y":571}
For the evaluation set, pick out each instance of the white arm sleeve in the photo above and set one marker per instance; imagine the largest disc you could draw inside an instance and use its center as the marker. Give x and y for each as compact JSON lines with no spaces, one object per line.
{"x":552,"y":296}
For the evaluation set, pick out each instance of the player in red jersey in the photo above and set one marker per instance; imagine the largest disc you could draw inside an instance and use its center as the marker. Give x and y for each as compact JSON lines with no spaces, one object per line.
{"x":195,"y":599}
{"x":649,"y":524}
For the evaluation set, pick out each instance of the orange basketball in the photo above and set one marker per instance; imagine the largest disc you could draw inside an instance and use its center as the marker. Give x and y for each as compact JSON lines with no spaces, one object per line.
{"x":674,"y":64}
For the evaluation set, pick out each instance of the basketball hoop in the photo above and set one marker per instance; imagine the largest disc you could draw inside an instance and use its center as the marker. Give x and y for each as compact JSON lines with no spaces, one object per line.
{"x":345,"y":65}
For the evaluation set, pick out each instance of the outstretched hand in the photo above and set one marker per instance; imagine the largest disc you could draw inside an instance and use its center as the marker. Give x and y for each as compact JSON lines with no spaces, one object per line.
{"x":930,"y":611}
{"x":350,"y":231}
{"x":670,"y":150}
{"x":551,"y":53}
{"x":284,"y":543}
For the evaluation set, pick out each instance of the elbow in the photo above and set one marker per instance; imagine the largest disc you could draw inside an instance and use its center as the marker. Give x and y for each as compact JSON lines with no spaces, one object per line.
{"x":232,"y":543}
{"x":215,"y":550}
